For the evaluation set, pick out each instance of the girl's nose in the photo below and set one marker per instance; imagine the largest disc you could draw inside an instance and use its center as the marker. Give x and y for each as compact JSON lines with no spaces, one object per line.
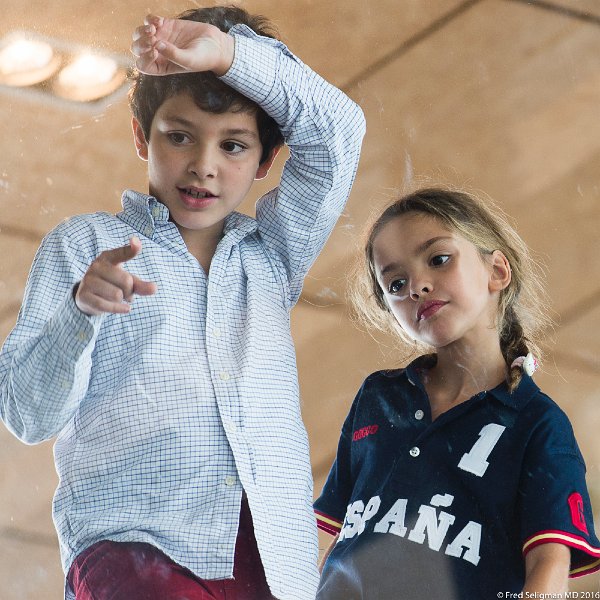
{"x":419,"y":289}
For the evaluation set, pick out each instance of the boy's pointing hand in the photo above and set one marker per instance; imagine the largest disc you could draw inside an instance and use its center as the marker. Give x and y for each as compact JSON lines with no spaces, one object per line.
{"x":108,"y":288}
{"x":167,"y":46}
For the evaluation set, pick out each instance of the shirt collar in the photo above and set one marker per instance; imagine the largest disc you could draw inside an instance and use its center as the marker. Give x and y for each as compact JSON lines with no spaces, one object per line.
{"x":144,"y":213}
{"x":516,"y":400}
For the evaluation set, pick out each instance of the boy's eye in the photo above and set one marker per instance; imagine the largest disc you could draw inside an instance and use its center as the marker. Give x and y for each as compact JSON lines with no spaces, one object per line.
{"x":439,"y":260}
{"x":177,"y":137}
{"x":396,"y":286}
{"x":233,"y":147}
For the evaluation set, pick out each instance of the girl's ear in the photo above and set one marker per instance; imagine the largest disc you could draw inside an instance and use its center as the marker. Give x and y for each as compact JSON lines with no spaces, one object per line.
{"x":140,"y":139}
{"x":500,"y":274}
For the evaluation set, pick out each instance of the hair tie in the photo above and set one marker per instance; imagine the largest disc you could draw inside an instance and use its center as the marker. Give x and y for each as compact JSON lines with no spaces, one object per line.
{"x":528,"y":363}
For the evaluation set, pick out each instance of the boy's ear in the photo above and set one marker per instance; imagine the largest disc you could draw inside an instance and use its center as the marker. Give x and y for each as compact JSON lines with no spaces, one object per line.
{"x":140,"y":139}
{"x":500,"y":274}
{"x":265,"y":165}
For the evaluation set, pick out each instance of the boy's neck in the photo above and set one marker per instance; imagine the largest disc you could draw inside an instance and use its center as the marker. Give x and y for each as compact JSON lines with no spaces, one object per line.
{"x":202,"y":244}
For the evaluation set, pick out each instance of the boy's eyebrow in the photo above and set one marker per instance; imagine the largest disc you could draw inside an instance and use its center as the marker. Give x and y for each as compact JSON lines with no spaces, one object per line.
{"x":189,"y":124}
{"x":241,"y":131}
{"x":420,"y":249}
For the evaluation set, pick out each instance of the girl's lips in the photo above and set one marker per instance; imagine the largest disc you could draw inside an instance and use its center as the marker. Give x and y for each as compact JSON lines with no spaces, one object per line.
{"x":196,"y":200}
{"x":428,"y":309}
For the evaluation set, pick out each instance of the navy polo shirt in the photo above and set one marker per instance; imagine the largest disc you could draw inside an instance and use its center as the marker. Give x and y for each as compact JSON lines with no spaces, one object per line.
{"x":448,"y":509}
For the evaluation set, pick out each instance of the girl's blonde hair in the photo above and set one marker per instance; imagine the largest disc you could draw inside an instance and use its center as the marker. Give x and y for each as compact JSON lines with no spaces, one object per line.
{"x":522,"y":307}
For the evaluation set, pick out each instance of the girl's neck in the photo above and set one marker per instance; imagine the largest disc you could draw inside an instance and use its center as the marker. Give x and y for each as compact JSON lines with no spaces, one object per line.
{"x":462,"y":371}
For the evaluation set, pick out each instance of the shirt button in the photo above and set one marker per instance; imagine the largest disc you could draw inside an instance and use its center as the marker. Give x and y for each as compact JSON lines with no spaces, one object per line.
{"x":156,"y":212}
{"x":148,"y":231}
{"x":229,"y":480}
{"x":217,"y":332}
{"x":224,"y":375}
{"x":229,"y":426}
{"x":414,"y":452}
{"x":81,"y":336}
{"x":419,"y":415}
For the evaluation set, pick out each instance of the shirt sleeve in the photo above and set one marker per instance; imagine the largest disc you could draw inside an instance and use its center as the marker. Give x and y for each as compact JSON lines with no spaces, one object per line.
{"x":323,"y":129}
{"x":45,"y":362}
{"x":330,"y":507}
{"x":555,"y":504}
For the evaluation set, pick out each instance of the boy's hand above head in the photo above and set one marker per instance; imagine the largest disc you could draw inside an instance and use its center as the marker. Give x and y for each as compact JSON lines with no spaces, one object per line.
{"x":108,"y":288}
{"x":167,"y":46}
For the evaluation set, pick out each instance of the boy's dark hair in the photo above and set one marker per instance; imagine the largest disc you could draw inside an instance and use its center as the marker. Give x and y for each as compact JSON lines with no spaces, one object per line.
{"x":148,"y":92}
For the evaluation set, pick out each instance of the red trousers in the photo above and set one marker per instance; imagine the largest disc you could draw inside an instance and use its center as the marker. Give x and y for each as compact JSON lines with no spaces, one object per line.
{"x":136,"y":571}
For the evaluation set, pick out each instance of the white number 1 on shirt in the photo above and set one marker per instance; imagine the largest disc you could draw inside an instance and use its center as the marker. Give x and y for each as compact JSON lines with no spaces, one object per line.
{"x":475,"y":461}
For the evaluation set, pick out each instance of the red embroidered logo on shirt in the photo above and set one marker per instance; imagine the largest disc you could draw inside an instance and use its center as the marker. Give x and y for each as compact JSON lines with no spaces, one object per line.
{"x":363,"y":432}
{"x":576,"y":508}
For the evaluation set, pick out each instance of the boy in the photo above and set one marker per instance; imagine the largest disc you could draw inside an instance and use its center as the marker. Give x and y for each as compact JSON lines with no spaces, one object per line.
{"x":183,"y":461}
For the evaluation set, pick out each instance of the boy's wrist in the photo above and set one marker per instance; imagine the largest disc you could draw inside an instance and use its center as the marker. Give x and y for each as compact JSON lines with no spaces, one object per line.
{"x":227,"y":54}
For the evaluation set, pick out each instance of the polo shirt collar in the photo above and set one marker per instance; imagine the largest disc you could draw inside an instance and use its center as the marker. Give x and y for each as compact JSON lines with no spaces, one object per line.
{"x":516,"y":400}
{"x":523,"y":393}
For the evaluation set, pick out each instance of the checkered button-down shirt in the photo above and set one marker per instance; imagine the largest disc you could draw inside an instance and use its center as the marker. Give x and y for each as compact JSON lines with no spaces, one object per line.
{"x":163,"y":416}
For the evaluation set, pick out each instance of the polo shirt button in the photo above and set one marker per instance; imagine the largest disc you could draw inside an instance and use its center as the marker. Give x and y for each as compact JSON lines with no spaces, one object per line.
{"x":414,"y":452}
{"x":419,"y":415}
{"x":229,"y":480}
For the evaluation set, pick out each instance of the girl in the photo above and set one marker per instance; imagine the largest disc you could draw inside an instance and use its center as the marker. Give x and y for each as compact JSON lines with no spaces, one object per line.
{"x":455,"y":477}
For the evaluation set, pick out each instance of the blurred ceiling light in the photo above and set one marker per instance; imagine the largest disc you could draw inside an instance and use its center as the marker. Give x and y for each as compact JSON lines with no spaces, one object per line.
{"x":26,"y":62}
{"x":89,"y":77}
{"x":51,"y":69}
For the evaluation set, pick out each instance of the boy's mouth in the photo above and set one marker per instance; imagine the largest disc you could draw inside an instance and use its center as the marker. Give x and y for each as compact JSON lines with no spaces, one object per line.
{"x":197,"y":198}
{"x":197,"y":193}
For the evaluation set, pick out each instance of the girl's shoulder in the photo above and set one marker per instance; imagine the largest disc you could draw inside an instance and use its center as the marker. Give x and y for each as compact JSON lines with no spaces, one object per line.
{"x":549,"y":425}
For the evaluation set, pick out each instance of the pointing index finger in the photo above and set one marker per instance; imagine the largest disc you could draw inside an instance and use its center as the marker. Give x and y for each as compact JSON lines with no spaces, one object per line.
{"x":120,"y":255}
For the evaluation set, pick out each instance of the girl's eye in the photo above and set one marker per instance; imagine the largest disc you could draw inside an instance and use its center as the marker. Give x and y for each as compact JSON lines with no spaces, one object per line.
{"x":439,"y":260}
{"x":177,"y":137}
{"x":396,"y":286}
{"x":233,"y":147}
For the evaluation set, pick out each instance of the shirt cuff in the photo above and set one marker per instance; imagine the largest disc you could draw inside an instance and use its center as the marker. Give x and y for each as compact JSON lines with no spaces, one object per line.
{"x":328,"y":524}
{"x":585,"y":558}
{"x":72,"y":329}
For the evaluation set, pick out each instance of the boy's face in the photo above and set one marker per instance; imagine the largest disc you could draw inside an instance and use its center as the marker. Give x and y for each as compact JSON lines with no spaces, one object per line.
{"x":200,"y":164}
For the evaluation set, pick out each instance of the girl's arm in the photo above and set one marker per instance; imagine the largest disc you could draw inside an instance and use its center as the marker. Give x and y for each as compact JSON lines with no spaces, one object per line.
{"x":327,"y":553}
{"x":547,"y":569}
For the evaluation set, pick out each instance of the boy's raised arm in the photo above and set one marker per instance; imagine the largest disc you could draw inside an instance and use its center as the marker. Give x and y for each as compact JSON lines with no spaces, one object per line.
{"x":323,"y":129}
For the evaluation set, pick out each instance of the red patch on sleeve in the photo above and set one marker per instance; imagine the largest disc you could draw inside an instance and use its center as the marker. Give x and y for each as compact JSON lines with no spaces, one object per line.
{"x":577,"y":514}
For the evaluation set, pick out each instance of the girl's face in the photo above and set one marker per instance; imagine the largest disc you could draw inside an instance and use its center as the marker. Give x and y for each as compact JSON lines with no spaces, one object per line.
{"x":437,"y":285}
